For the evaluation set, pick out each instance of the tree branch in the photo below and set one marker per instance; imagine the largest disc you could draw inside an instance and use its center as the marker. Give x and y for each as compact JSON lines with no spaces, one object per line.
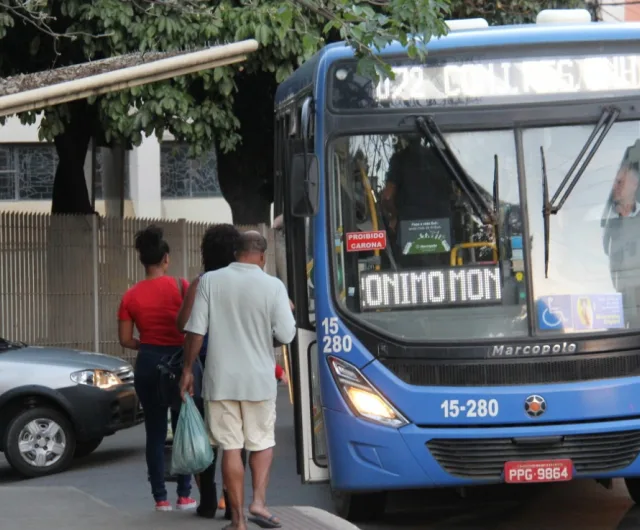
{"x":24,"y":10}
{"x":38,"y":20}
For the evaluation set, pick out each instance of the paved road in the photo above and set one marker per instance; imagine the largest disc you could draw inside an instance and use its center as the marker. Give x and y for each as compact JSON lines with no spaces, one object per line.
{"x":116,"y":475}
{"x":116,"y":472}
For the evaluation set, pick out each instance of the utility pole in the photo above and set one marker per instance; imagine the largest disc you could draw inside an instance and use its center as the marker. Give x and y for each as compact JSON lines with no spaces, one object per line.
{"x":595,"y":8}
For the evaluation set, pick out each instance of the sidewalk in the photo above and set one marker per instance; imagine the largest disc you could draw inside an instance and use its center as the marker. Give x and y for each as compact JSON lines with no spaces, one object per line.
{"x":68,"y":508}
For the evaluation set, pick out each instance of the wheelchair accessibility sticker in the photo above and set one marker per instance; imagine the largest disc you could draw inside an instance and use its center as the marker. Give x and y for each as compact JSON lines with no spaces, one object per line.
{"x":579,"y":312}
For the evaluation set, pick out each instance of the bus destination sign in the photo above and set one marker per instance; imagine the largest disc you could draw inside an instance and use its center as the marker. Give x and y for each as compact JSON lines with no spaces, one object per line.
{"x":499,"y":81}
{"x":473,"y":285}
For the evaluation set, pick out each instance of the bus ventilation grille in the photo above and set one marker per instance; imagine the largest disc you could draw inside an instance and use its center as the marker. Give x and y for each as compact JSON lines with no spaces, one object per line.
{"x":479,"y":458}
{"x":424,"y":372}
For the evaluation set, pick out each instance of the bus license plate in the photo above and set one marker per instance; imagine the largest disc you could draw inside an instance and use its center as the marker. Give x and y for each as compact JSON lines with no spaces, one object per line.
{"x":538,"y":471}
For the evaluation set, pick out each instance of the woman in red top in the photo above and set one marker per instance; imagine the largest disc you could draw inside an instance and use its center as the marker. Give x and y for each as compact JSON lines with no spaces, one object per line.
{"x":152,"y":305}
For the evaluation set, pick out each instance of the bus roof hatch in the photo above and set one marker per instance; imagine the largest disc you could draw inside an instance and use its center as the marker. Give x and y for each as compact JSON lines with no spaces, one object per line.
{"x":563,"y":16}
{"x":460,"y":24}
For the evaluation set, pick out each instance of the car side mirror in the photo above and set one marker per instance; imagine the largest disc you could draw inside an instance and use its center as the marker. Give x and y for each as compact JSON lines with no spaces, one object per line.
{"x":304,"y":185}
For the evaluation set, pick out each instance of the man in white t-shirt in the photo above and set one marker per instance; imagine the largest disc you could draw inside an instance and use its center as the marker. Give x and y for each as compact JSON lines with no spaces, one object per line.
{"x":243,"y":309}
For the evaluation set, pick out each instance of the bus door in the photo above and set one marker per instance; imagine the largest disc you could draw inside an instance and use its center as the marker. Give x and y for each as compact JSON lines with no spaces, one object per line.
{"x":301,"y":357}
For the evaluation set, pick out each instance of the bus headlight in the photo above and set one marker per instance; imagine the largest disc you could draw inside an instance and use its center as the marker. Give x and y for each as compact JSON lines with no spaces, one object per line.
{"x":363,"y":398}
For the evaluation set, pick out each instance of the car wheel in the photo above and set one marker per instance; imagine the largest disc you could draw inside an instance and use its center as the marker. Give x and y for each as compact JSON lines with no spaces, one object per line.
{"x":87,"y":447}
{"x":360,"y":507}
{"x":39,"y":442}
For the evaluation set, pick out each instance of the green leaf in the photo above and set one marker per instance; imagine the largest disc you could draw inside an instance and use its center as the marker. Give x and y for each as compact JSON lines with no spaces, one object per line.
{"x":263,"y":33}
{"x":309,"y":44}
{"x":225,"y":86}
{"x":282,"y":73}
{"x":331,"y":25}
{"x":286,"y":16}
{"x":357,"y":32}
{"x":35,"y":45}
{"x":218,"y":73}
{"x":380,"y":42}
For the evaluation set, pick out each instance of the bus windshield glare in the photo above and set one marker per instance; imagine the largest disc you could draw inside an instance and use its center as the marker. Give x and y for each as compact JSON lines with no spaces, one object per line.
{"x":413,"y":260}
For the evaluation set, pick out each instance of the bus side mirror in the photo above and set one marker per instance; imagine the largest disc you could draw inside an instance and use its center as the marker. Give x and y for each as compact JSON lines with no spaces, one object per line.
{"x":304,"y":185}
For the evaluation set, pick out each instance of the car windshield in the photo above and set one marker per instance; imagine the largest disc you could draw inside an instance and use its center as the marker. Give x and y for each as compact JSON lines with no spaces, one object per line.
{"x":413,"y":259}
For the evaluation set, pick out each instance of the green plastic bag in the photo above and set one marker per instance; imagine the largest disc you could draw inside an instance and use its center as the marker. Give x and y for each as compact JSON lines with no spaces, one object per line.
{"x":191,"y":453}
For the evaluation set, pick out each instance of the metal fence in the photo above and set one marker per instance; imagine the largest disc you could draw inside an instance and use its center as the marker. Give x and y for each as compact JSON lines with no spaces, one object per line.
{"x":62,"y":277}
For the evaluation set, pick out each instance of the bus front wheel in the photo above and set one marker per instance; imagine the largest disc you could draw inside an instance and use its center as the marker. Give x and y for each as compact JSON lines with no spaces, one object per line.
{"x":359,"y":507}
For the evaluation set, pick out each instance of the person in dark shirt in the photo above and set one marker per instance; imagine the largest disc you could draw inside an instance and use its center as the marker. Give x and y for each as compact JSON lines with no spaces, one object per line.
{"x":417,"y":188}
{"x":217,"y":251}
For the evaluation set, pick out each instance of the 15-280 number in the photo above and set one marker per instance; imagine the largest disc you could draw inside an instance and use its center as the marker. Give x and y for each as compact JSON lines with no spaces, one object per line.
{"x":332,"y":342}
{"x":481,"y":408}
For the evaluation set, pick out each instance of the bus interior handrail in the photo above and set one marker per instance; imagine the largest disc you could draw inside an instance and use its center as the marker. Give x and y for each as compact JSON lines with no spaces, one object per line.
{"x":478,"y":244}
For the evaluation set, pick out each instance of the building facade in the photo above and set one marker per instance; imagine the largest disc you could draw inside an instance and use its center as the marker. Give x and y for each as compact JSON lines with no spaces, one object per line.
{"x":619,"y":10}
{"x":155,"y":180}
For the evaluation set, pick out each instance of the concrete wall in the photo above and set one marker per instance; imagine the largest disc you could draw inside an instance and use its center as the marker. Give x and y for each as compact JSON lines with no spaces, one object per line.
{"x":618,"y":11}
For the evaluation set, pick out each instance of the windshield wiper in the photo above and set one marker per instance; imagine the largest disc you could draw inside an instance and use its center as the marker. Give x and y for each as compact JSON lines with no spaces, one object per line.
{"x":546,"y":211}
{"x":496,"y":188}
{"x":590,"y":148}
{"x":428,"y":127}
{"x":496,"y":201}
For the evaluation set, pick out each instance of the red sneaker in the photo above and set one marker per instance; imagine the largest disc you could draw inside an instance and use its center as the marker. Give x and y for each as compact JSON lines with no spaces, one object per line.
{"x":186,"y":503}
{"x":163,"y":506}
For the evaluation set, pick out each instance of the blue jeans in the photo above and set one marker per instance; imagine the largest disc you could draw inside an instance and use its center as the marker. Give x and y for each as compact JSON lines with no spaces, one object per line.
{"x":155,"y":418}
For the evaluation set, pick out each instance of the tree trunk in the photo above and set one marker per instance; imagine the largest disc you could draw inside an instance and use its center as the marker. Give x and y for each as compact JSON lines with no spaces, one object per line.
{"x":246,"y":174}
{"x":70,"y":194}
{"x":70,"y":239}
{"x":251,"y":209}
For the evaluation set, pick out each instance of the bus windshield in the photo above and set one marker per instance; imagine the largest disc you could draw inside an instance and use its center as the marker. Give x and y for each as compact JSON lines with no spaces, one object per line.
{"x":413,"y":259}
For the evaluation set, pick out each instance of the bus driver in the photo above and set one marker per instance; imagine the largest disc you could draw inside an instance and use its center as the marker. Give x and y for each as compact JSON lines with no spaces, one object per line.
{"x":417,"y":188}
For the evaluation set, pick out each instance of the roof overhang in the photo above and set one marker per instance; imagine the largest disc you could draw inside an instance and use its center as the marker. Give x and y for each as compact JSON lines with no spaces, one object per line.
{"x":123,"y":78}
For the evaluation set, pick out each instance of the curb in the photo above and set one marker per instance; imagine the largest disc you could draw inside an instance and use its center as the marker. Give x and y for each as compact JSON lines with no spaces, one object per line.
{"x":325,"y":518}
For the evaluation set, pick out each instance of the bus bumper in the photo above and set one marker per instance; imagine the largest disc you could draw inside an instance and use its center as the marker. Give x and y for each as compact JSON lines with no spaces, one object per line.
{"x":368,"y":457}
{"x":364,"y":456}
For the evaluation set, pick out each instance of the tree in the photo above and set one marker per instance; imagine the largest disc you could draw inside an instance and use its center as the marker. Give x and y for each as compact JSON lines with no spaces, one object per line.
{"x":229,"y":107}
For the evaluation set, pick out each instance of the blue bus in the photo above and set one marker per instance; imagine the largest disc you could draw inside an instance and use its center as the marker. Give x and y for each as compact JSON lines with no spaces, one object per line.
{"x":460,"y":252}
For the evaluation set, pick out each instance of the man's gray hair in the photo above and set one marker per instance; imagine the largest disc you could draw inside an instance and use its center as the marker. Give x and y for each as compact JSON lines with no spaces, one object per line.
{"x":250,"y":242}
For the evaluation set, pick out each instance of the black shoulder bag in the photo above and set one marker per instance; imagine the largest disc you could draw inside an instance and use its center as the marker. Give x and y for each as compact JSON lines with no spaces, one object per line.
{"x":170,"y":371}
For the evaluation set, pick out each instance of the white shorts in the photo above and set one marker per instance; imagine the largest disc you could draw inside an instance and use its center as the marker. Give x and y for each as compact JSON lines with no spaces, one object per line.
{"x":242,"y":424}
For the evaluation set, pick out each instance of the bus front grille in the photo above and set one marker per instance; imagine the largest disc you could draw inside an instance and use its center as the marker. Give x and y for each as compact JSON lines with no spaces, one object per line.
{"x":506,"y":372}
{"x":484,"y":458}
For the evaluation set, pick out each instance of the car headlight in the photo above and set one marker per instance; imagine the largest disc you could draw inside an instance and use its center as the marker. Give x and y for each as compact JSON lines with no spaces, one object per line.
{"x":363,"y":398}
{"x":98,"y":378}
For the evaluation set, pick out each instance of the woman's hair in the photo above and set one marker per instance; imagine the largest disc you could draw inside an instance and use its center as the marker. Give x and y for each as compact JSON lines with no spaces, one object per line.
{"x":151,"y":245}
{"x":218,"y":246}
